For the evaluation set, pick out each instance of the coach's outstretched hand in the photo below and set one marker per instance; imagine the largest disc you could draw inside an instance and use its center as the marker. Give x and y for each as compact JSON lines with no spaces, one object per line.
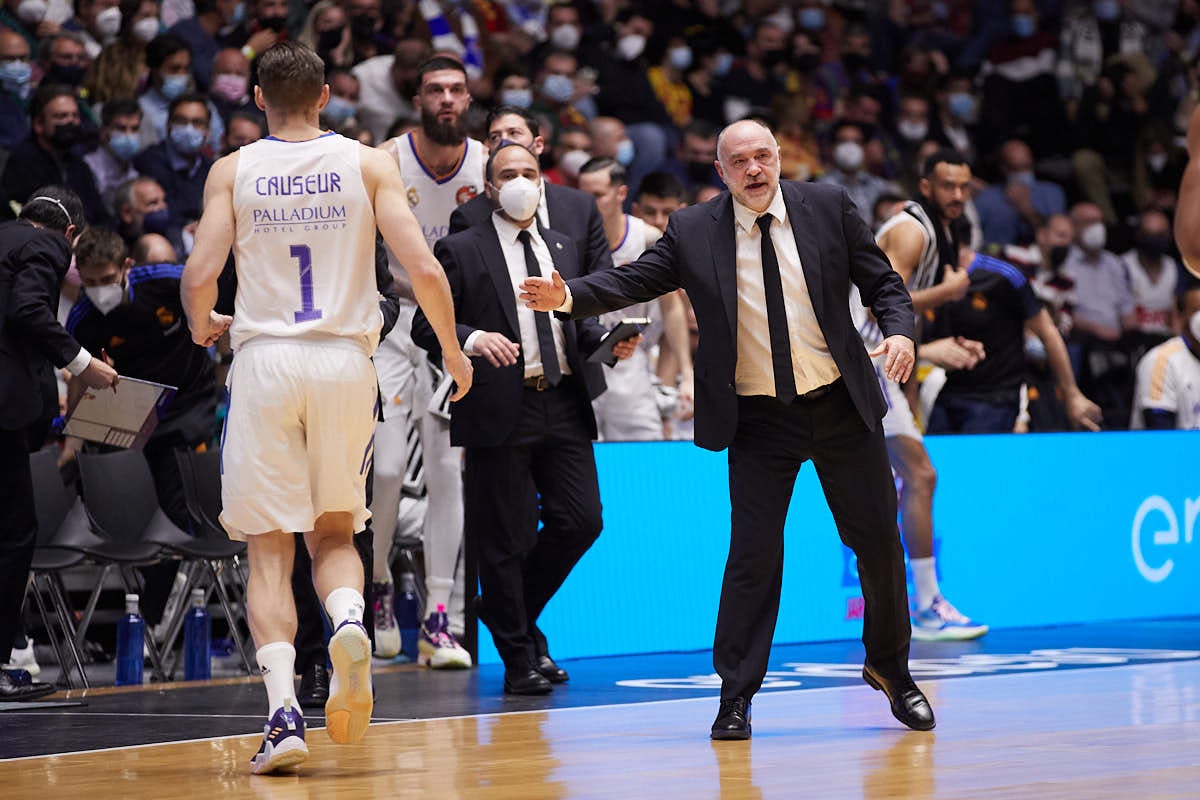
{"x":544,"y":294}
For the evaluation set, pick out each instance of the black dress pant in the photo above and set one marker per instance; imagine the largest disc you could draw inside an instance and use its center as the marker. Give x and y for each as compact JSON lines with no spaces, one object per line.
{"x":545,"y":471}
{"x":772,"y":441}
{"x":18,"y":533}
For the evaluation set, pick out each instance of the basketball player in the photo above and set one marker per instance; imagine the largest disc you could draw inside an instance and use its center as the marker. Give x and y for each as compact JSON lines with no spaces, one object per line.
{"x":1187,"y":207}
{"x":441,"y":168}
{"x":300,"y":209}
{"x":910,"y":241}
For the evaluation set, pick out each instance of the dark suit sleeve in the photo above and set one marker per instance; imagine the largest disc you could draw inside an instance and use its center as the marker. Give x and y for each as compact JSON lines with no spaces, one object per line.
{"x":422,"y":331}
{"x":458,"y":220}
{"x":598,"y":255}
{"x":389,"y":300}
{"x":651,"y":275}
{"x":882,"y":288}
{"x":34,"y":298}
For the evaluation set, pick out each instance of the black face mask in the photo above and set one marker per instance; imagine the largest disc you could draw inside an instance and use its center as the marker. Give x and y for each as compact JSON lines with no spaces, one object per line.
{"x":1152,"y":246}
{"x":362,"y":27}
{"x":70,"y":75}
{"x":807,"y":62}
{"x":1058,"y":254}
{"x":853,"y":62}
{"x":327,"y":40}
{"x":276,"y":24}
{"x":66,"y":136}
{"x":773,"y":58}
{"x":699,"y":170}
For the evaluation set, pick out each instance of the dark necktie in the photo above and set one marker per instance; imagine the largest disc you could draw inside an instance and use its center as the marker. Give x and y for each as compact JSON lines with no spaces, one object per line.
{"x":781,"y":346}
{"x":545,"y":335}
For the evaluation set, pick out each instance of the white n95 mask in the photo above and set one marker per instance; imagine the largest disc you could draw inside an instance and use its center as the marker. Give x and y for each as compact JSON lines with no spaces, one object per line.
{"x":519,"y":198}
{"x":105,"y":298}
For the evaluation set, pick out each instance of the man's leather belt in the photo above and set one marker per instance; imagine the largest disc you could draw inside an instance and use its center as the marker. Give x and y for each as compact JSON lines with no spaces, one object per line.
{"x":537,"y":382}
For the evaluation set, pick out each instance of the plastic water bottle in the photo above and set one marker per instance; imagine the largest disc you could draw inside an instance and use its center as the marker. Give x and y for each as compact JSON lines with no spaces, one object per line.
{"x":406,"y":615}
{"x":131,"y":639}
{"x":197,"y":639}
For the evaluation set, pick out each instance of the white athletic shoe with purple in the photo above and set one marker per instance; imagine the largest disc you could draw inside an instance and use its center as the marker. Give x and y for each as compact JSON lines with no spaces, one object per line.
{"x":283,"y":741}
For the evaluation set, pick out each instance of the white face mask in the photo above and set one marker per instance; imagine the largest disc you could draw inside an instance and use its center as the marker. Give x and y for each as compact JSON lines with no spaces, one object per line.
{"x":631,"y":46}
{"x":572,"y":161}
{"x":31,"y":12}
{"x":848,"y":156}
{"x":912,"y":131}
{"x":105,"y":298}
{"x":108,"y":23}
{"x":1093,"y":237}
{"x":519,"y":198}
{"x":565,"y":37}
{"x":1194,"y":325}
{"x":1156,"y":161}
{"x":145,"y":29}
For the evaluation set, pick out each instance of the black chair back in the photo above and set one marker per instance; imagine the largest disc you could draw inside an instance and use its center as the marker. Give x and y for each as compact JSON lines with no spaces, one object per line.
{"x":51,"y":497}
{"x":119,"y":493}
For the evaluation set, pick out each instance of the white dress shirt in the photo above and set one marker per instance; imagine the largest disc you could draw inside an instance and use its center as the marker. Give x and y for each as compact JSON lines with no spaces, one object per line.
{"x":812,"y":365}
{"x":514,"y":259}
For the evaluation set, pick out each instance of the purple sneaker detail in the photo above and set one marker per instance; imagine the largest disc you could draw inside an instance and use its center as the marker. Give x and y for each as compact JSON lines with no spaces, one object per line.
{"x":283,"y":741}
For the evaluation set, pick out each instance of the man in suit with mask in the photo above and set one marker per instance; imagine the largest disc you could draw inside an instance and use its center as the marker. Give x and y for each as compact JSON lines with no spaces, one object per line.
{"x":782,"y":377}
{"x":528,"y":428}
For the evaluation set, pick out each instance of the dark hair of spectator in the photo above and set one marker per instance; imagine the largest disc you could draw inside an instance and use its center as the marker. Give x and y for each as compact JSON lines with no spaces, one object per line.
{"x":660,"y":184}
{"x":531,"y":122}
{"x":162,"y":47}
{"x":99,"y":247}
{"x":47,"y":94}
{"x":616,"y":173}
{"x":947,"y":155}
{"x":846,"y":123}
{"x":504,"y":145}
{"x":247,"y":116}
{"x":48,"y":213}
{"x":120,"y":107}
{"x":205,"y":6}
{"x":436,"y":64}
{"x":189,"y":97}
{"x":701,"y":129}
{"x":291,"y":76}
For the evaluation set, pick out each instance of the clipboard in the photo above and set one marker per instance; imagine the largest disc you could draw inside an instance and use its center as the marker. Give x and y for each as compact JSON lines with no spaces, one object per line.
{"x":124,"y":418}
{"x":629,"y":326}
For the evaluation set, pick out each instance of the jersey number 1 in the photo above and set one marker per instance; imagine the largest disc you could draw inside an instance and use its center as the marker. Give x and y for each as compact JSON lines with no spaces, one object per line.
{"x":307,"y":313}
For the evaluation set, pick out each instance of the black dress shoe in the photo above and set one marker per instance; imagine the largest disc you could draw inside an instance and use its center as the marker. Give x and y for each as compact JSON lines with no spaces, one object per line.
{"x":551,"y":671}
{"x":733,"y":719}
{"x":908,"y":703}
{"x":314,"y":687}
{"x":16,"y":684}
{"x":526,"y":680}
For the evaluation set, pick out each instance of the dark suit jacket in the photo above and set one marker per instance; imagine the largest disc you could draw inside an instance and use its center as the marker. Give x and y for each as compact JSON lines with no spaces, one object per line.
{"x":33,"y":262}
{"x":484,"y":299}
{"x":570,"y":211}
{"x":698,"y":252}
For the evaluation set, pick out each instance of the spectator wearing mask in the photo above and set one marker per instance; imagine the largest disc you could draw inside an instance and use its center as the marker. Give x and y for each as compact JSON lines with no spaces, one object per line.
{"x":754,"y":81}
{"x":1153,"y":278}
{"x":848,"y":169}
{"x":120,"y":141}
{"x":140,"y":206}
{"x":570,"y":152}
{"x":711,"y":63}
{"x":1093,"y":31}
{"x":512,"y":87}
{"x":263,"y":25}
{"x":243,"y":129}
{"x":16,"y":72}
{"x":119,"y":69}
{"x":170,"y":65}
{"x":1167,"y":395}
{"x":1158,"y":168}
{"x":230,"y":90}
{"x":178,"y":162}
{"x":341,"y":112}
{"x":667,"y":79}
{"x":694,"y":157}
{"x":327,"y":31}
{"x":98,"y":22}
{"x":364,"y":18}
{"x":1012,"y":210}
{"x":957,"y":114}
{"x":50,"y":155}
{"x":200,"y":33}
{"x":63,"y":59}
{"x":388,"y":87}
{"x":555,"y":93}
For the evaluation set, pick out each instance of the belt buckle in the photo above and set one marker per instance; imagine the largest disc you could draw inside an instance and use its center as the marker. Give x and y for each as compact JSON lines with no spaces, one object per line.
{"x":537,"y":382}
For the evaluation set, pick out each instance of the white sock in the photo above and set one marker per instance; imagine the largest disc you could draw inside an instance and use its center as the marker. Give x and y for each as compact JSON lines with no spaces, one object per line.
{"x":344,"y":603}
{"x":277,"y":661}
{"x":924,"y":572}
{"x":438,"y":592}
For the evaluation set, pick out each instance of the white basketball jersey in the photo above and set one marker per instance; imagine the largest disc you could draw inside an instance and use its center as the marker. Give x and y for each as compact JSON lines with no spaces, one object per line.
{"x":923,"y":276}
{"x":305,"y":242}
{"x":433,"y":199}
{"x":1154,"y":299}
{"x":1168,"y":378}
{"x":638,"y":237}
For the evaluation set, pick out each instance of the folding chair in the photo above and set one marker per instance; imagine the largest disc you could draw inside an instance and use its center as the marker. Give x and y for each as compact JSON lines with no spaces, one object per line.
{"x":55,"y":502}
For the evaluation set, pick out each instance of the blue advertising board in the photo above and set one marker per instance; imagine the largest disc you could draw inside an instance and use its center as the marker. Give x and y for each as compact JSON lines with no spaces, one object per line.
{"x":1029,"y":530}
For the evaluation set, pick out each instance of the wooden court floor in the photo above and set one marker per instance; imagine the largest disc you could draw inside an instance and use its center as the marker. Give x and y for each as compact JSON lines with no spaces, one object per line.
{"x":1114,"y":732}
